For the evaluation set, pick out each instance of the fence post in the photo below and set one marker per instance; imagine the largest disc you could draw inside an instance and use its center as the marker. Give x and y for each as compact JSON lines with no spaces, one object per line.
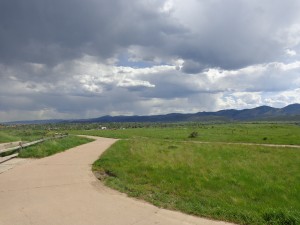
{"x":21,"y":145}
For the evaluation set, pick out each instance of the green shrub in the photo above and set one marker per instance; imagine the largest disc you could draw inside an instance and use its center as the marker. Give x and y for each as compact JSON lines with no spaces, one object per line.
{"x":194,"y":134}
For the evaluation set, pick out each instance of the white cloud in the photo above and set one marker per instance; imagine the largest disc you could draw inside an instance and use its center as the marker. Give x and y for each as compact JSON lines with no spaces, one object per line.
{"x":242,"y":100}
{"x":84,"y":88}
{"x":134,"y":83}
{"x":167,"y":7}
{"x":291,"y":52}
{"x":290,"y":35}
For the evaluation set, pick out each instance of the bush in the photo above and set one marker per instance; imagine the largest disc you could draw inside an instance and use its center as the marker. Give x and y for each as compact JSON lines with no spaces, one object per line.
{"x":194,"y":134}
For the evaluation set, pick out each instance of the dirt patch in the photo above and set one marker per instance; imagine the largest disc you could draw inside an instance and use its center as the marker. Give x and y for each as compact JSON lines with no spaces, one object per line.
{"x":102,"y":174}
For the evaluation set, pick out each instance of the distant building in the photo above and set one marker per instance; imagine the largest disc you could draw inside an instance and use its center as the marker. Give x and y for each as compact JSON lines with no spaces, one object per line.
{"x":103,"y":128}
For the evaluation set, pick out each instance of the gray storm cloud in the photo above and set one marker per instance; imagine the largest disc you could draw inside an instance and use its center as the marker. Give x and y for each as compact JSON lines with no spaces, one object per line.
{"x":51,"y":31}
{"x":61,"y":58}
{"x":212,"y":33}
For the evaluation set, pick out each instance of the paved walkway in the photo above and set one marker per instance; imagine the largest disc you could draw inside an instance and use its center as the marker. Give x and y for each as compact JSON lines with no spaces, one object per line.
{"x":62,"y":190}
{"x":7,"y":163}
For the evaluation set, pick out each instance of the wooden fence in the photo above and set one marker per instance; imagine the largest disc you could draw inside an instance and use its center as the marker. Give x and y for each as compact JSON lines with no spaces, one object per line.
{"x":21,"y":145}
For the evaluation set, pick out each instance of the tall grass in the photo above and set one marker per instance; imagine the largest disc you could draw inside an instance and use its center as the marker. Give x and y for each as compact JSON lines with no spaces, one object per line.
{"x":250,"y":133}
{"x":53,"y":146}
{"x":11,"y":135}
{"x":242,"y":184}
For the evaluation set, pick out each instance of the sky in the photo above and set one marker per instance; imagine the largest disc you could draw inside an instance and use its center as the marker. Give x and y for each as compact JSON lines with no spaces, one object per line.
{"x":68,"y":59}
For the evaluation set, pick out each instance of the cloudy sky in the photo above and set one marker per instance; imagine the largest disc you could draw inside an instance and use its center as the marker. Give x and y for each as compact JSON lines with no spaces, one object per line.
{"x":82,"y":59}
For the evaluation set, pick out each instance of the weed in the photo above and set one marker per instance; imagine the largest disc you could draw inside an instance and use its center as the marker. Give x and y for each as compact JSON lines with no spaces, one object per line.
{"x":194,"y":134}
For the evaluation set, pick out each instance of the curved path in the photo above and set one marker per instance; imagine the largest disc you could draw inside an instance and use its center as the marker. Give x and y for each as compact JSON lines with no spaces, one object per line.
{"x":248,"y":144}
{"x":62,"y":190}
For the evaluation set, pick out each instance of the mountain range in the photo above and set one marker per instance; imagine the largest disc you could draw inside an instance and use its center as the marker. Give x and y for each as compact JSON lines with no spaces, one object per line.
{"x":262,"y":113}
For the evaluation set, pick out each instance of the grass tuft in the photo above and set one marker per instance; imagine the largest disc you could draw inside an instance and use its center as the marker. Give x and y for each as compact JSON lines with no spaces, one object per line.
{"x":280,"y":217}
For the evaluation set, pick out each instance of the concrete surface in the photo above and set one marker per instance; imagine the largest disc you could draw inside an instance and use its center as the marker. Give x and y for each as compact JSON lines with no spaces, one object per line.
{"x":62,"y":190}
{"x":9,"y":162}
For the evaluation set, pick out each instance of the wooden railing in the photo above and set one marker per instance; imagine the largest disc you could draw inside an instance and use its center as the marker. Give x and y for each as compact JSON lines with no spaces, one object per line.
{"x":21,"y":145}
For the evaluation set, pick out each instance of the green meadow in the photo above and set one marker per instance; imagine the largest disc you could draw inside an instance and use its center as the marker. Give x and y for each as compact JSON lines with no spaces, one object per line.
{"x":248,"y":133}
{"x":242,"y":184}
{"x":236,"y":183}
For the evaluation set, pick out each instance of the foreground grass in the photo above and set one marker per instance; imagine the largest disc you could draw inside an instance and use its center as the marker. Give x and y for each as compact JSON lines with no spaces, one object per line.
{"x":250,"y":133}
{"x":242,"y":184}
{"x":51,"y":147}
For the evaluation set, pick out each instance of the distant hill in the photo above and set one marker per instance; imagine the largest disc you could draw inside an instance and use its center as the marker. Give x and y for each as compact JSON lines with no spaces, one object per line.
{"x":261,"y":113}
{"x":258,"y":113}
{"x":24,"y":122}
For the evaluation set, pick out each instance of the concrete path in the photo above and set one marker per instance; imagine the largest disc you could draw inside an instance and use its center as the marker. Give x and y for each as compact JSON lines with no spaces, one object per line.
{"x":62,"y":190}
{"x":9,"y":162}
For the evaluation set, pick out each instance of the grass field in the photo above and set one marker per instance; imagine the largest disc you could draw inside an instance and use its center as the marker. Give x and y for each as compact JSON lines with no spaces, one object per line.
{"x":250,"y":133}
{"x":242,"y":184}
{"x":163,"y":165}
{"x":51,"y":147}
{"x":11,"y":135}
